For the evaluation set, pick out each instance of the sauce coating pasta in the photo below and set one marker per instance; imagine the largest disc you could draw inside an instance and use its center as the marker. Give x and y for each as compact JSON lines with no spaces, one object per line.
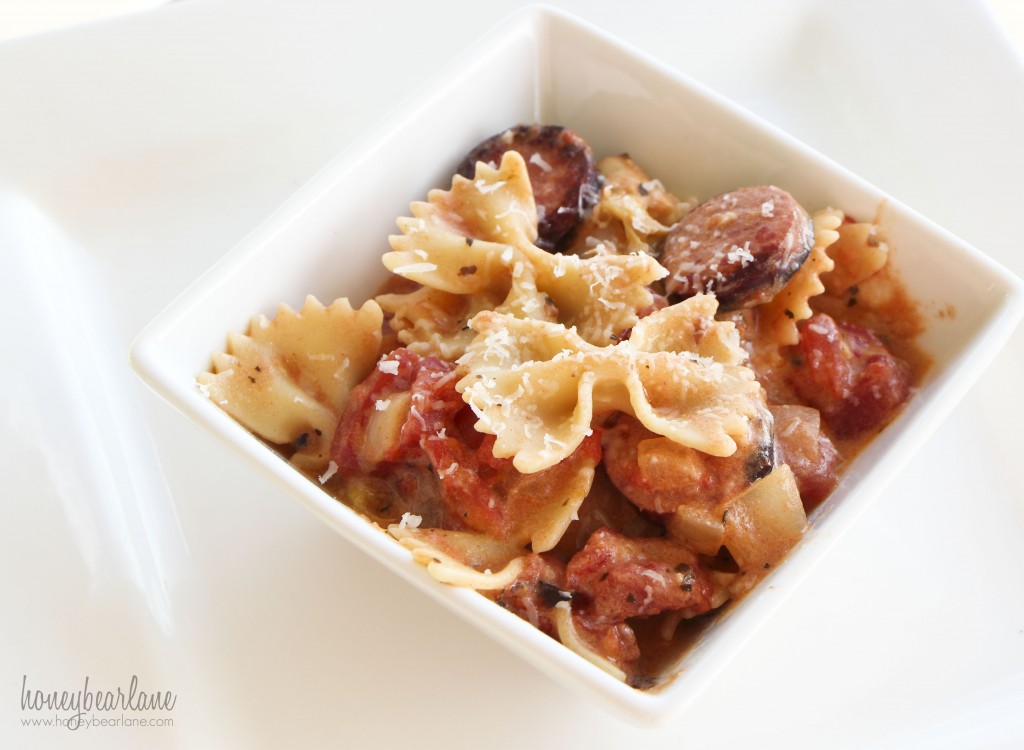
{"x":610,"y":412}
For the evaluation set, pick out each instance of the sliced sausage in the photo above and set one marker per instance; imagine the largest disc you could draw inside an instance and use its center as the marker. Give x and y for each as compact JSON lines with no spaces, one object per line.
{"x":658,"y":475}
{"x":562,"y":174}
{"x":743,"y":246}
{"x":846,"y":372}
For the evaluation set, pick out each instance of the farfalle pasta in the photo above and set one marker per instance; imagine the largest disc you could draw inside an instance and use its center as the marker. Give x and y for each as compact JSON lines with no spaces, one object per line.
{"x":785,"y":310}
{"x":604,"y":408}
{"x":538,"y":386}
{"x":476,"y":240}
{"x":634,"y":212}
{"x":288,"y":380}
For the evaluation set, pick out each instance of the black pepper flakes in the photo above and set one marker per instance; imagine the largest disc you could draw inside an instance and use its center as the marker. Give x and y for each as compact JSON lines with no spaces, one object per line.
{"x":790,"y":314}
{"x":467,"y":270}
{"x":469,"y":241}
{"x":684,"y":570}
{"x":551,"y":594}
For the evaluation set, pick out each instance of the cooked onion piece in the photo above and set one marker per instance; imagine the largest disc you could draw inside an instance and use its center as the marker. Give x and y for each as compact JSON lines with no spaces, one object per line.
{"x":570,"y":637}
{"x":765,"y":522}
{"x":454,"y":557}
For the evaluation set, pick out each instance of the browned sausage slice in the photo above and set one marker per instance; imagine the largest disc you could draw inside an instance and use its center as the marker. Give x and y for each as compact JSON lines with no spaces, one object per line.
{"x":658,"y":476}
{"x":562,"y":174}
{"x":743,"y":246}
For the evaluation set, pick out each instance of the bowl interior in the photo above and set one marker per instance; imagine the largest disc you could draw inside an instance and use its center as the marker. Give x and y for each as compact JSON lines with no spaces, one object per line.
{"x":541,"y":65}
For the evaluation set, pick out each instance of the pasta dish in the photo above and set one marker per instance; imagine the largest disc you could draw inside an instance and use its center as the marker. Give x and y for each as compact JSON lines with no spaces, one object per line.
{"x":606,"y":408}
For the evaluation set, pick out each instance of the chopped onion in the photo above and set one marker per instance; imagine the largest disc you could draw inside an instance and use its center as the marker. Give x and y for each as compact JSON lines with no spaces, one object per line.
{"x":765,"y":522}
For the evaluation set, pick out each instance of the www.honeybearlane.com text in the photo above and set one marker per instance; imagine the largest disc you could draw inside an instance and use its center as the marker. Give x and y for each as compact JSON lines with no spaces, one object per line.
{"x":75,"y":709}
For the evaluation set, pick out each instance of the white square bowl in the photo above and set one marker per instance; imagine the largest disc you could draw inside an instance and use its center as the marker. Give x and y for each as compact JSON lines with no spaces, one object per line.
{"x":541,"y":65}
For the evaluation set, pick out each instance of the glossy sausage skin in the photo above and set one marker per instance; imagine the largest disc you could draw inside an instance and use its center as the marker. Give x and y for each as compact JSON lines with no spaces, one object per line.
{"x":846,"y":372}
{"x":743,"y":246}
{"x":562,"y":174}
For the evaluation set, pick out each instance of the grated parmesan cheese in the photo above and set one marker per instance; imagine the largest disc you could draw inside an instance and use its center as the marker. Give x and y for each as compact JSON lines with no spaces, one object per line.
{"x":410,"y":521}
{"x":742,"y":255}
{"x":332,"y":469}
{"x":485,"y":188}
{"x":388,"y":366}
{"x":415,"y":268}
{"x":537,"y":159}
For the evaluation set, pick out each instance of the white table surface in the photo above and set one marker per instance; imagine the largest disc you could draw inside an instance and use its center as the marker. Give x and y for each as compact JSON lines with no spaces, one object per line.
{"x":146,"y":146}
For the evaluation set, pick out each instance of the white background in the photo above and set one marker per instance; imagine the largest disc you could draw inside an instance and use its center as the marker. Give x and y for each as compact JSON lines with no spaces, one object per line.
{"x":147,"y":146}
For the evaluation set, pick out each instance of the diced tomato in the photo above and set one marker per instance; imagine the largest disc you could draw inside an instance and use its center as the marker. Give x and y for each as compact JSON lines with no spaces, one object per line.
{"x":488,"y":494}
{"x":406,"y":426}
{"x":405,"y":399}
{"x":846,"y":372}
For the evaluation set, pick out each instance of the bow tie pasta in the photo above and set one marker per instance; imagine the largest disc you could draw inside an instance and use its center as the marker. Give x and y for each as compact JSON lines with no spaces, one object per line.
{"x":602,"y":407}
{"x":289,"y":379}
{"x":538,"y":386}
{"x":473,"y":247}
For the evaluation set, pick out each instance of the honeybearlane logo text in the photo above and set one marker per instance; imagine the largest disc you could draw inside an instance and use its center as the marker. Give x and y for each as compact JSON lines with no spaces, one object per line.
{"x":87,"y":707}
